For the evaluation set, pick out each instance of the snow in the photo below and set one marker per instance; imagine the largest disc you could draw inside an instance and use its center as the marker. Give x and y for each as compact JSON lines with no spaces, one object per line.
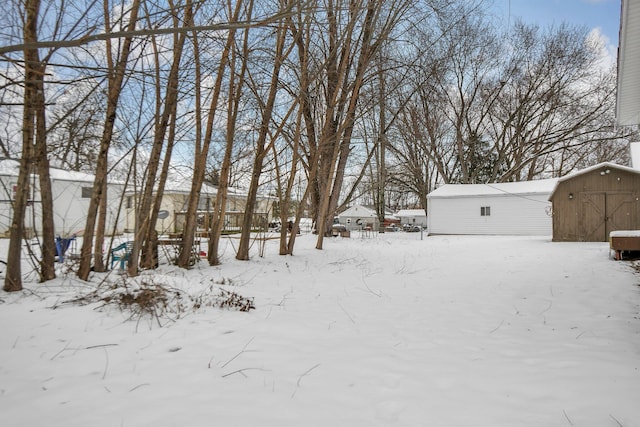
{"x":540,"y":186}
{"x":11,"y":168}
{"x":384,"y":331}
{"x":604,"y":165}
{"x":410,"y":212}
{"x":625,"y":233}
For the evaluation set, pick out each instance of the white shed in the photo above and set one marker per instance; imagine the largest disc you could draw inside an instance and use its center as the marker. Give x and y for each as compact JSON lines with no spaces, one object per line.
{"x":71,"y":193}
{"x":512,"y":208}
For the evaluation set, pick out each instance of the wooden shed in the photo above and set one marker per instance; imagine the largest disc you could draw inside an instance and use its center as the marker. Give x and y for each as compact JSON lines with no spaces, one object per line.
{"x":591,"y":203}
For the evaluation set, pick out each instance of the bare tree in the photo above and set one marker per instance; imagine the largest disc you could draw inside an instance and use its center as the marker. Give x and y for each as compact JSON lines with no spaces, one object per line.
{"x":554,"y":98}
{"x":234,"y":96}
{"x":351,"y":48}
{"x":33,"y":79}
{"x":262,"y":145}
{"x":152,"y":193}
{"x":116,"y":69}
{"x":74,"y":134}
{"x":202,"y":151}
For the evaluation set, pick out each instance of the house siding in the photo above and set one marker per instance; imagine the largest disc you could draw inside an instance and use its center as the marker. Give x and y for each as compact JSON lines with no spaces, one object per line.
{"x":357,"y":217}
{"x":69,"y":206}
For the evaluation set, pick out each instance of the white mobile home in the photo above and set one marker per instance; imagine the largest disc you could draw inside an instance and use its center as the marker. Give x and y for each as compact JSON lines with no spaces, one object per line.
{"x":71,"y":193}
{"x":512,"y":208}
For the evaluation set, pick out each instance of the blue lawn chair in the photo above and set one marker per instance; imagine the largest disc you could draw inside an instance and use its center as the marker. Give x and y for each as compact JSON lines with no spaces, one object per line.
{"x":121,"y":253}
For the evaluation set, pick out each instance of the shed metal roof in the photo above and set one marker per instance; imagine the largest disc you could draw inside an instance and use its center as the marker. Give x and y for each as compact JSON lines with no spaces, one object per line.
{"x":541,"y":186}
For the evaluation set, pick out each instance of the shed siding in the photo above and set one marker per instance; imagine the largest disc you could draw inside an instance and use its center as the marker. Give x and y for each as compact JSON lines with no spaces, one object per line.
{"x":510,"y":215}
{"x":589,"y":206}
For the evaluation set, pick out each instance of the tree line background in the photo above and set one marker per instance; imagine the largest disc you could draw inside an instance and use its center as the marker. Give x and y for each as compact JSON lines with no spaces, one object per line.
{"x":318,"y":103}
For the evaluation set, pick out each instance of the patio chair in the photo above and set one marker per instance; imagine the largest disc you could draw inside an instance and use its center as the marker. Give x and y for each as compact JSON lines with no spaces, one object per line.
{"x":121,"y":253}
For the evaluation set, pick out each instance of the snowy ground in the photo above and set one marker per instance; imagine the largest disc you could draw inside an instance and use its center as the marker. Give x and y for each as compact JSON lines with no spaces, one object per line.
{"x":383,"y":331}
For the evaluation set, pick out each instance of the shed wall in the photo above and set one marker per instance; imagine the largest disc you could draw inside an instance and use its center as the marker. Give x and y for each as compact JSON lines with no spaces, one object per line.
{"x":591,"y":205}
{"x":510,"y":215}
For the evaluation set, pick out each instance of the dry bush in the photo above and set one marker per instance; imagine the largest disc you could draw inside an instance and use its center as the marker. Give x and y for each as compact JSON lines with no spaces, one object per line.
{"x":156,"y":301}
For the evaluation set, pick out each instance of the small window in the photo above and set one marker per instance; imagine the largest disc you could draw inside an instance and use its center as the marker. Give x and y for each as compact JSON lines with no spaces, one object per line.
{"x":485,"y":211}
{"x":129,"y":202}
{"x":86,"y":192}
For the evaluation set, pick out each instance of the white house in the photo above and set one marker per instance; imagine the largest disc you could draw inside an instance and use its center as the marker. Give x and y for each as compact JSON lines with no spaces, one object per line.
{"x":175,"y":201}
{"x":412,"y":217}
{"x":71,"y":193}
{"x":513,"y":208}
{"x":358,"y":216}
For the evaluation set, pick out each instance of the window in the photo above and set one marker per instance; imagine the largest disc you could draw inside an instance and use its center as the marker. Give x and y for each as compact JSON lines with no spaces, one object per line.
{"x":86,"y":192}
{"x":485,"y":211}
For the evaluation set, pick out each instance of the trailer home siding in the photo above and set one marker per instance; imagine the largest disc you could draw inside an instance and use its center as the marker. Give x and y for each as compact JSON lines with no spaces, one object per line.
{"x":71,"y":192}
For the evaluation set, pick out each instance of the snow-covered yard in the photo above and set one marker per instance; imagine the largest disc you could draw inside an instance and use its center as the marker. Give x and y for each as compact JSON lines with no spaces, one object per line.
{"x":383,"y":331}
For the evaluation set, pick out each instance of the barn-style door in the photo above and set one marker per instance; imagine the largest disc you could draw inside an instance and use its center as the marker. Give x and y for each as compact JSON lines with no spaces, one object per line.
{"x":602,"y":213}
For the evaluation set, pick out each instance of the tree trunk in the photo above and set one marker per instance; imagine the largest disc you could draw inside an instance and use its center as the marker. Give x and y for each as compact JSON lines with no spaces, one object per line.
{"x":98,"y":256}
{"x":146,"y":217}
{"x":261,"y":147}
{"x":13,"y":279}
{"x":235,"y":95}
{"x":47,"y":264}
{"x":116,"y":78}
{"x":201,"y":156}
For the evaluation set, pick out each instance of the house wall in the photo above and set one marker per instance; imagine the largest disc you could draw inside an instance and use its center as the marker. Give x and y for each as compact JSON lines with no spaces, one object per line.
{"x":6,"y":195}
{"x":357,"y":217}
{"x":351,"y":222}
{"x":420,"y":220}
{"x":176,"y":204}
{"x":583,"y":216}
{"x":172,"y":203}
{"x":509,"y":215}
{"x":69,"y":207}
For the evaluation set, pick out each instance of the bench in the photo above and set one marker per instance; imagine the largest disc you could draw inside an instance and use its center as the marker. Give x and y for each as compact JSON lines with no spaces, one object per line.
{"x":624,"y":240}
{"x":121,"y":253}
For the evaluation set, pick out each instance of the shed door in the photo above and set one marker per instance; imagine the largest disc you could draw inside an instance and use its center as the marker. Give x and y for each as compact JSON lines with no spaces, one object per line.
{"x":619,"y":206}
{"x":602,"y":213}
